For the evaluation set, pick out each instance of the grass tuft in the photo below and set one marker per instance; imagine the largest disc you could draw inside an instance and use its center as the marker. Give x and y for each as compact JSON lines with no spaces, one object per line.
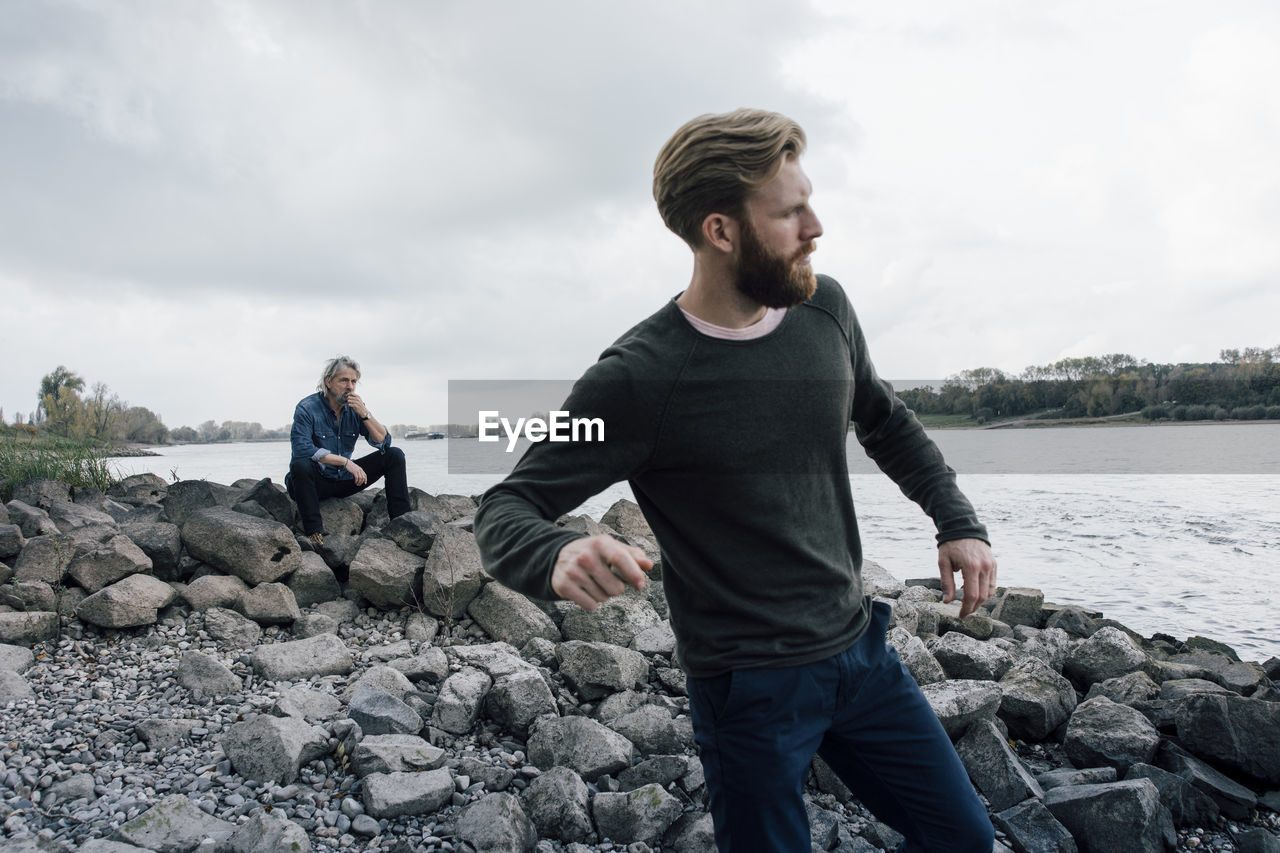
{"x":77,"y":464}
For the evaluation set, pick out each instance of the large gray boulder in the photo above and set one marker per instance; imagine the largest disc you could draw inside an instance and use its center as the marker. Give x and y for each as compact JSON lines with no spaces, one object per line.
{"x":510,"y":617}
{"x":314,"y":581}
{"x":1188,"y":805}
{"x":958,"y":704}
{"x":1109,"y":653}
{"x":159,"y":540}
{"x":581,"y":744}
{"x":253,"y":549}
{"x":639,"y":816}
{"x":1224,"y":669}
{"x":11,"y":539}
{"x":461,"y":697}
{"x":341,"y":517}
{"x":44,"y":558}
{"x":72,"y":516}
{"x":1126,"y":689}
{"x":1240,"y":733}
{"x":1036,"y":700}
{"x":1120,"y":817}
{"x":274,"y":499}
{"x":964,"y":657}
{"x":42,"y":492}
{"x":518,"y":699}
{"x":173,"y":825}
{"x":1033,"y":829}
{"x":378,"y":712}
{"x":185,"y":498}
{"x":212,"y":591}
{"x":1019,"y":606}
{"x":994,"y":768}
{"x":616,"y":621}
{"x":395,"y":754}
{"x":27,"y":629}
{"x":298,"y":660}
{"x":273,"y":749}
{"x":1051,"y":645}
{"x":596,"y":669}
{"x":1102,"y":733}
{"x":199,"y":671}
{"x":269,"y":604}
{"x":385,"y":575}
{"x":306,"y":703}
{"x":128,"y":603}
{"x":105,"y":565}
{"x":1235,"y":800}
{"x":558,"y":803}
{"x":391,"y":795}
{"x":654,"y":731}
{"x":922,"y":665}
{"x":415,"y":531}
{"x":497,"y":824}
{"x":14,"y":688}
{"x":31,"y":520}
{"x":453,"y":574}
{"x":231,"y":627}
{"x":15,"y":658}
{"x":269,"y":832}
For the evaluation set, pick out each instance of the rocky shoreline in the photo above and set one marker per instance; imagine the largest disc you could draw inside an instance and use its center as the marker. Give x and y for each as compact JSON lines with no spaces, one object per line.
{"x":180,"y":671}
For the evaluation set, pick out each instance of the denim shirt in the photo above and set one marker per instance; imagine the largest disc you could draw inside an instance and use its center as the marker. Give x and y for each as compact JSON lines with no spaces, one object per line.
{"x":317,"y":433}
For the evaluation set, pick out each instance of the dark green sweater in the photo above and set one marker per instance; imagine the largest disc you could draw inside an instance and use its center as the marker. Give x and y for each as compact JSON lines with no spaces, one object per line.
{"x":735,"y":451}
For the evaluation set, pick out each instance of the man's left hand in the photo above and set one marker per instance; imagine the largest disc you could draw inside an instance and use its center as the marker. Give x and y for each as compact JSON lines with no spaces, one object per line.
{"x":972,"y":558}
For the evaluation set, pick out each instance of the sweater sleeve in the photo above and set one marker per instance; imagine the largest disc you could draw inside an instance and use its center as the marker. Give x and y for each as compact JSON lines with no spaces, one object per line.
{"x":894,"y":439}
{"x":515,"y":522}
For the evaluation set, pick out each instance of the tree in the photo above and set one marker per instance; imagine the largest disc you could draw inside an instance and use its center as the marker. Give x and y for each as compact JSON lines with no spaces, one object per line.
{"x":56,"y":385}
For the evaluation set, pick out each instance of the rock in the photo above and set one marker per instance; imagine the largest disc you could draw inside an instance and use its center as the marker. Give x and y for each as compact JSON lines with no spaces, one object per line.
{"x":273,"y":749}
{"x":384,"y":677}
{"x":1126,"y":689}
{"x":385,"y":575}
{"x":274,"y":499}
{"x":1120,"y":817}
{"x":653,"y":731}
{"x":164,"y":735}
{"x":253,"y":549}
{"x":461,"y":696}
{"x":431,"y":665}
{"x":160,"y":541}
{"x":314,"y":581}
{"x":641,"y":815}
{"x":380,"y":713}
{"x":616,"y":621}
{"x":453,"y":574}
{"x":31,"y":596}
{"x":395,"y":753}
{"x":1255,"y":839}
{"x":1103,"y":733}
{"x":694,"y":832}
{"x":518,"y":699}
{"x":659,"y":640}
{"x":1036,"y":700}
{"x":509,"y":617}
{"x":1237,"y":732}
{"x":626,"y":517}
{"x":1180,"y":688}
{"x":415,"y":531}
{"x":1033,"y":828}
{"x":31,"y":520}
{"x":1073,"y":620}
{"x":1019,"y":606}
{"x":78,"y":786}
{"x":44,"y":558}
{"x":341,"y":517}
{"x":994,"y":768}
{"x":393,"y":794}
{"x":306,"y":704}
{"x":496,"y":659}
{"x":1071,"y":776}
{"x":175,"y":824}
{"x":231,"y":627}
{"x":922,"y":665}
{"x":964,"y":657}
{"x":69,"y":516}
{"x":581,"y":744}
{"x":957,"y":704}
{"x":128,"y":603}
{"x":1233,"y":799}
{"x":212,"y":591}
{"x":199,"y":671}
{"x":660,"y":770}
{"x":11,"y":540}
{"x":42,"y":492}
{"x":27,"y":629}
{"x":596,"y":669}
{"x":14,"y":688}
{"x":1188,"y":805}
{"x":299,"y":660}
{"x":103,"y":566}
{"x":146,"y":486}
{"x":1050,"y":645}
{"x":496,"y":824}
{"x":1109,"y":653}
{"x":269,"y":604}
{"x":269,"y":832}
{"x":557,"y":801}
{"x":15,"y":658}
{"x":186,"y":497}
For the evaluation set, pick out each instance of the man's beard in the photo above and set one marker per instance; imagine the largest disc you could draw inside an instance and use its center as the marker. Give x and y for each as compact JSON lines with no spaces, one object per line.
{"x":770,"y":280}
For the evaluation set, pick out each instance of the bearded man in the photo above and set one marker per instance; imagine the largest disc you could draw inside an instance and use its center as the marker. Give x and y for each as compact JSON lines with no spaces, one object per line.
{"x":727,"y":411}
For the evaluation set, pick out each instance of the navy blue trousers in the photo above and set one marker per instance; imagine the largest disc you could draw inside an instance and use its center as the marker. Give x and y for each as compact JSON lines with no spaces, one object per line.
{"x":757,"y":731}
{"x":308,"y":488}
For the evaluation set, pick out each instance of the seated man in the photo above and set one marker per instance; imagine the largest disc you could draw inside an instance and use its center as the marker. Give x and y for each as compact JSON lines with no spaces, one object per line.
{"x":325,"y":426}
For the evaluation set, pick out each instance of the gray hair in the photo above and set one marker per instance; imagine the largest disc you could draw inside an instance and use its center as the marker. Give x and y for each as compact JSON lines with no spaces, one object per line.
{"x":333,"y":365}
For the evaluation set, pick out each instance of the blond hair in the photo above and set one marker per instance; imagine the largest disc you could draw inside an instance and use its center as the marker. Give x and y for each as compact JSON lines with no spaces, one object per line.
{"x":713,"y":162}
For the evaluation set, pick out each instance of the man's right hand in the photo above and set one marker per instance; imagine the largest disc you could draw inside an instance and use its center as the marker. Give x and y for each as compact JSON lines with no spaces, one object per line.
{"x":357,"y":472}
{"x":592,"y":570}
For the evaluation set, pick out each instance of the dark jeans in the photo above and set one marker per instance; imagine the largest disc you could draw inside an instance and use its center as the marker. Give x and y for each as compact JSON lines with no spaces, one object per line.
{"x":757,"y":730}
{"x":308,"y":488}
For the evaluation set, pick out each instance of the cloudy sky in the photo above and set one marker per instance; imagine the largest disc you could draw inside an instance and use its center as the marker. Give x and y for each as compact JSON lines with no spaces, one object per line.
{"x":200,"y":202}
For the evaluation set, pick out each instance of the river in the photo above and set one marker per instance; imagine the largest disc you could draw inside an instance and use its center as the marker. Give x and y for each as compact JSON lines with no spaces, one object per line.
{"x":1165,"y":528}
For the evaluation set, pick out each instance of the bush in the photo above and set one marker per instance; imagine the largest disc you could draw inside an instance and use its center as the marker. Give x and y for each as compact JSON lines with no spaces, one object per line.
{"x":1220,"y":414}
{"x":79,"y":465}
{"x":1273,"y":412}
{"x":1199,"y":413}
{"x":1179,"y":413}
{"x":1155,"y":413}
{"x":984,"y":414}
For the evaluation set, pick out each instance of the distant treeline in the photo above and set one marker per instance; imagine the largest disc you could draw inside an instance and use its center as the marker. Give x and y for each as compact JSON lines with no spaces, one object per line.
{"x":1242,"y":385}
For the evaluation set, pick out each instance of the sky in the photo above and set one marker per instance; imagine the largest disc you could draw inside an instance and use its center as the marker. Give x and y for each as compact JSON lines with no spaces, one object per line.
{"x":202,"y":202}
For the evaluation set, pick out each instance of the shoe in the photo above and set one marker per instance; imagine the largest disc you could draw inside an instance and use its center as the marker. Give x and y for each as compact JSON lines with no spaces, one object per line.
{"x":317,"y":539}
